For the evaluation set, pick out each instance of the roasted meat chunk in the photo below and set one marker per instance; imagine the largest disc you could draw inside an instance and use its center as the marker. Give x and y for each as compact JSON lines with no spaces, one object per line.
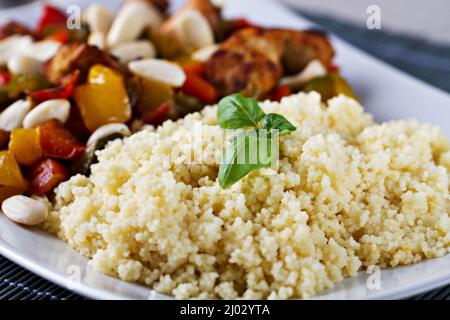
{"x":253,"y":59}
{"x":14,"y":28}
{"x":77,"y":56}
{"x":247,"y":62}
{"x":301,"y":47}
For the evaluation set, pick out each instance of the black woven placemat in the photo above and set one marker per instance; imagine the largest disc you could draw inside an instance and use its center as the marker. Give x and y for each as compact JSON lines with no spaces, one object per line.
{"x":18,"y":283}
{"x":418,"y":57}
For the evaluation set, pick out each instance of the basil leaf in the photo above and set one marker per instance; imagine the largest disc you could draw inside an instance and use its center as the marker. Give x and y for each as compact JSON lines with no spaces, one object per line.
{"x":236,"y":112}
{"x":275,"y":121}
{"x":248,"y":151}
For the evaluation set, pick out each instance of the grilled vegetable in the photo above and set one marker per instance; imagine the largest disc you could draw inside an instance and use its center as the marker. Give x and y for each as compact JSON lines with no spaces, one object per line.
{"x":280,"y":92}
{"x":83,"y":164}
{"x":45,"y":176}
{"x":60,"y":34}
{"x":51,"y":17}
{"x":103,"y":99}
{"x":63,"y":91}
{"x":159,"y":115}
{"x":4,"y":98}
{"x":195,"y":68}
{"x":12,"y":181}
{"x":167,"y":46}
{"x":151,"y":95}
{"x":57,"y":142}
{"x":185,"y":104}
{"x":5,"y":77}
{"x":24,"y":83}
{"x":330,"y":86}
{"x":25,"y":146}
{"x":4,"y":139}
{"x":200,"y":88}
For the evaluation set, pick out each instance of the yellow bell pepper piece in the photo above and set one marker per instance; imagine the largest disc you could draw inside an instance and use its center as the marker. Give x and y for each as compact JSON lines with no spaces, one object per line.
{"x":25,"y":146}
{"x":152,"y":95}
{"x":103,"y":99}
{"x":12,"y":181}
{"x":329,"y":86}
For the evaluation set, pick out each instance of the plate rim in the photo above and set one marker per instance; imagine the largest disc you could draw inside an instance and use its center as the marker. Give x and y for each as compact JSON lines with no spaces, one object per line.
{"x":92,"y":292}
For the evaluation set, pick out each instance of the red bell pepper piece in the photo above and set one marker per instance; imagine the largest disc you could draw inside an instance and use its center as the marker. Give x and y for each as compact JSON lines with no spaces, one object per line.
{"x":5,"y":77}
{"x":76,"y":126}
{"x":241,"y":23}
{"x":45,"y":176}
{"x":333,"y":68}
{"x":4,"y":139}
{"x":197,"y":69}
{"x":57,"y":142}
{"x":63,"y":91}
{"x":157,"y":116}
{"x":200,"y":88}
{"x":280,"y":92}
{"x":51,"y":16}
{"x":61,"y":35}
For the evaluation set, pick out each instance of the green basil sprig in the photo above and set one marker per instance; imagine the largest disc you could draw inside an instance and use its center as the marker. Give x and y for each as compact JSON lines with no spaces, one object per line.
{"x":236,"y":112}
{"x":275,"y":121}
{"x":253,"y":148}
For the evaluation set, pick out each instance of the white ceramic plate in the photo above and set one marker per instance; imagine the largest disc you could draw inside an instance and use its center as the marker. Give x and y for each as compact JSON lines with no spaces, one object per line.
{"x":386,"y":92}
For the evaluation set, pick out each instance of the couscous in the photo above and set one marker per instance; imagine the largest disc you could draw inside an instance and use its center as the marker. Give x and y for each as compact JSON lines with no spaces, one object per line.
{"x":347,"y":194}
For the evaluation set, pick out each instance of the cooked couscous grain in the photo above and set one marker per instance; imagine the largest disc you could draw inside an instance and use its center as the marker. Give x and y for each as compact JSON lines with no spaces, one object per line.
{"x":347,"y":194}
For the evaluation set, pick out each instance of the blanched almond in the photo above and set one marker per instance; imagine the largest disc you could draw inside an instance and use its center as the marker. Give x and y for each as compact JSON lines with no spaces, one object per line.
{"x":42,"y":50}
{"x":107,"y":130}
{"x":191,"y":28}
{"x":204,"y":53}
{"x":51,"y":109}
{"x":12,"y":117}
{"x":97,"y":39}
{"x":98,"y":17}
{"x":12,"y":46}
{"x":314,"y":69}
{"x":129,"y":51}
{"x":131,"y":20}
{"x":24,"y":64}
{"x":25,"y":210}
{"x":159,"y":70}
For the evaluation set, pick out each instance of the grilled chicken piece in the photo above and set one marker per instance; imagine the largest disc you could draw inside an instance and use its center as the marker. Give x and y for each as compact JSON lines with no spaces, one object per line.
{"x":245,"y":63}
{"x":77,"y":56}
{"x":253,"y":60}
{"x":301,"y":47}
{"x":12,"y":28}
